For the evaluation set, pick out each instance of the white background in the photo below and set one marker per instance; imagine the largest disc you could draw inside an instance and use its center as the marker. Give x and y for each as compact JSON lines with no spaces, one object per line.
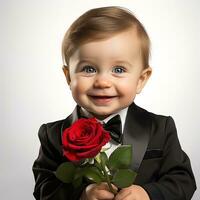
{"x":33,"y":89}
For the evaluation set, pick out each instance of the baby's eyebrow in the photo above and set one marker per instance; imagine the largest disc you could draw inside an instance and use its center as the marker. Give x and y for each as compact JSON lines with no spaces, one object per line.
{"x":122,"y":62}
{"x":84,"y":61}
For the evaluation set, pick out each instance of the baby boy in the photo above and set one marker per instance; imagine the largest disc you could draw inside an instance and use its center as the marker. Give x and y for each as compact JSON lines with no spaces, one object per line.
{"x":106,"y":64}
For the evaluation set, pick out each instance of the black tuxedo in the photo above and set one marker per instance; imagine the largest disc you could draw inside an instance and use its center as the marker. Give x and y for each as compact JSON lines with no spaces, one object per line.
{"x":164,"y":170}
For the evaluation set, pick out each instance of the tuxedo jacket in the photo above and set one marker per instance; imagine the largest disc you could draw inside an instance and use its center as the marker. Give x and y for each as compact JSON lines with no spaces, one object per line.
{"x":163,"y":168}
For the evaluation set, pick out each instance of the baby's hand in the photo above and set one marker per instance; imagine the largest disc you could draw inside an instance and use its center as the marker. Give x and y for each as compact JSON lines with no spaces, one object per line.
{"x":134,"y":192}
{"x":97,"y":192}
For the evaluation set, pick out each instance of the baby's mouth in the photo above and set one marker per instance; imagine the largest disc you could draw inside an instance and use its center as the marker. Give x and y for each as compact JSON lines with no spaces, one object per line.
{"x":102,"y":99}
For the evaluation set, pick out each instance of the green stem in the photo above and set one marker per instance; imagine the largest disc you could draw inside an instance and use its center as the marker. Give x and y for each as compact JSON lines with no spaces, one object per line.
{"x":108,"y":180}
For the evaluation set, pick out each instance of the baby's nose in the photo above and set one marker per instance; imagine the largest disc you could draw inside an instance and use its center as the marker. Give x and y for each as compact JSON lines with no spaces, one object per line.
{"x":102,"y":81}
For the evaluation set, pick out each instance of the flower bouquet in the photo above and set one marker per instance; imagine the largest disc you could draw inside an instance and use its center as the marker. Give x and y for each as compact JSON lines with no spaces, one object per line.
{"x":83,"y":147}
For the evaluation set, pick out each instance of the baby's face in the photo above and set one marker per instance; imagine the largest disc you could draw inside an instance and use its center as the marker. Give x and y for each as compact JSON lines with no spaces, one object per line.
{"x":106,"y":75}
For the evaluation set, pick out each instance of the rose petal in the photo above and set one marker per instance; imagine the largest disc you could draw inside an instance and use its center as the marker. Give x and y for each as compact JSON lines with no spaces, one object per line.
{"x":84,"y":139}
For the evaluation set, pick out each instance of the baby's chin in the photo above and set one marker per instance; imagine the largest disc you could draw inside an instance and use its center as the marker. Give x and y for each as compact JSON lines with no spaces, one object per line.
{"x":101,"y":115}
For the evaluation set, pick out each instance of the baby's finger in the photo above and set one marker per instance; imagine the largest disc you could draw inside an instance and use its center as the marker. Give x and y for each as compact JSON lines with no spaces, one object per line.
{"x":104,"y":194}
{"x":105,"y":186}
{"x":98,"y":191}
{"x":122,"y":194}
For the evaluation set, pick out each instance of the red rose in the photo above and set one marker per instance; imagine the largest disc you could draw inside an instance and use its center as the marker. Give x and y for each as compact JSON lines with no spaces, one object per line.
{"x":84,"y":139}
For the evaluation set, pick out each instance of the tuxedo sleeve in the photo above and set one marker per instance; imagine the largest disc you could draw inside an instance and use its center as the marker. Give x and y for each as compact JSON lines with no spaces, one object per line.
{"x":176,"y":180}
{"x":47,"y":186}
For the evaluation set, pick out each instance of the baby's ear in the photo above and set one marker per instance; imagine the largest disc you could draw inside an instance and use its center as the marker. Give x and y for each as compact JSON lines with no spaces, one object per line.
{"x":66,"y":72}
{"x":145,"y":75}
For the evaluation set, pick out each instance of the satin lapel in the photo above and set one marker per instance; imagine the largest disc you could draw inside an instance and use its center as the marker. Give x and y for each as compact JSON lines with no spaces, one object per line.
{"x":136,"y":132}
{"x":70,"y":119}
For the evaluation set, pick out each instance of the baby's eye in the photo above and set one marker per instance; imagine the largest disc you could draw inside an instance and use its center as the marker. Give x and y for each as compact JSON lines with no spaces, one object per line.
{"x":118,"y":69}
{"x":88,"y":69}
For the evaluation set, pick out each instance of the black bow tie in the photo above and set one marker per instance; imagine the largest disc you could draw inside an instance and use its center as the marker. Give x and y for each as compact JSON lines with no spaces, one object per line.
{"x":114,"y":127}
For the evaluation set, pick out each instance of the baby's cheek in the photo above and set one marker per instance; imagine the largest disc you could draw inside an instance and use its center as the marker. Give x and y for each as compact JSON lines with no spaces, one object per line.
{"x":128,"y":91}
{"x":76,"y":87}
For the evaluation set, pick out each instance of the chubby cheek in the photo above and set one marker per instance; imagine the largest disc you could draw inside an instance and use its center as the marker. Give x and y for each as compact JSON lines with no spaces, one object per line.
{"x":129,"y":96}
{"x":127,"y":92}
{"x":127,"y":88}
{"x":78,"y":88}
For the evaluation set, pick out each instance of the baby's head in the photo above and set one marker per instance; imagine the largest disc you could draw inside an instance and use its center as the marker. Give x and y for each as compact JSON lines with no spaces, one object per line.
{"x":106,"y":56}
{"x":102,"y":23}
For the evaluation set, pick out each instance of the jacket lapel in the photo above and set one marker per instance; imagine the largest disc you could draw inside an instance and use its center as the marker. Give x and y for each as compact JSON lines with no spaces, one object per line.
{"x":136,"y":132}
{"x":70,"y":119}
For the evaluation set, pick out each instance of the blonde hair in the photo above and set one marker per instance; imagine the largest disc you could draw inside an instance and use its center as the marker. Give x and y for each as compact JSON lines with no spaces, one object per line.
{"x":101,"y":23}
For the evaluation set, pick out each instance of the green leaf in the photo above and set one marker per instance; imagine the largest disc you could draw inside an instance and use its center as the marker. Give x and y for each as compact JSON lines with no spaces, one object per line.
{"x":120,"y":158}
{"x":77,"y":181}
{"x":78,"y":177}
{"x":124,"y":178}
{"x":65,"y":172}
{"x":93,"y":174}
